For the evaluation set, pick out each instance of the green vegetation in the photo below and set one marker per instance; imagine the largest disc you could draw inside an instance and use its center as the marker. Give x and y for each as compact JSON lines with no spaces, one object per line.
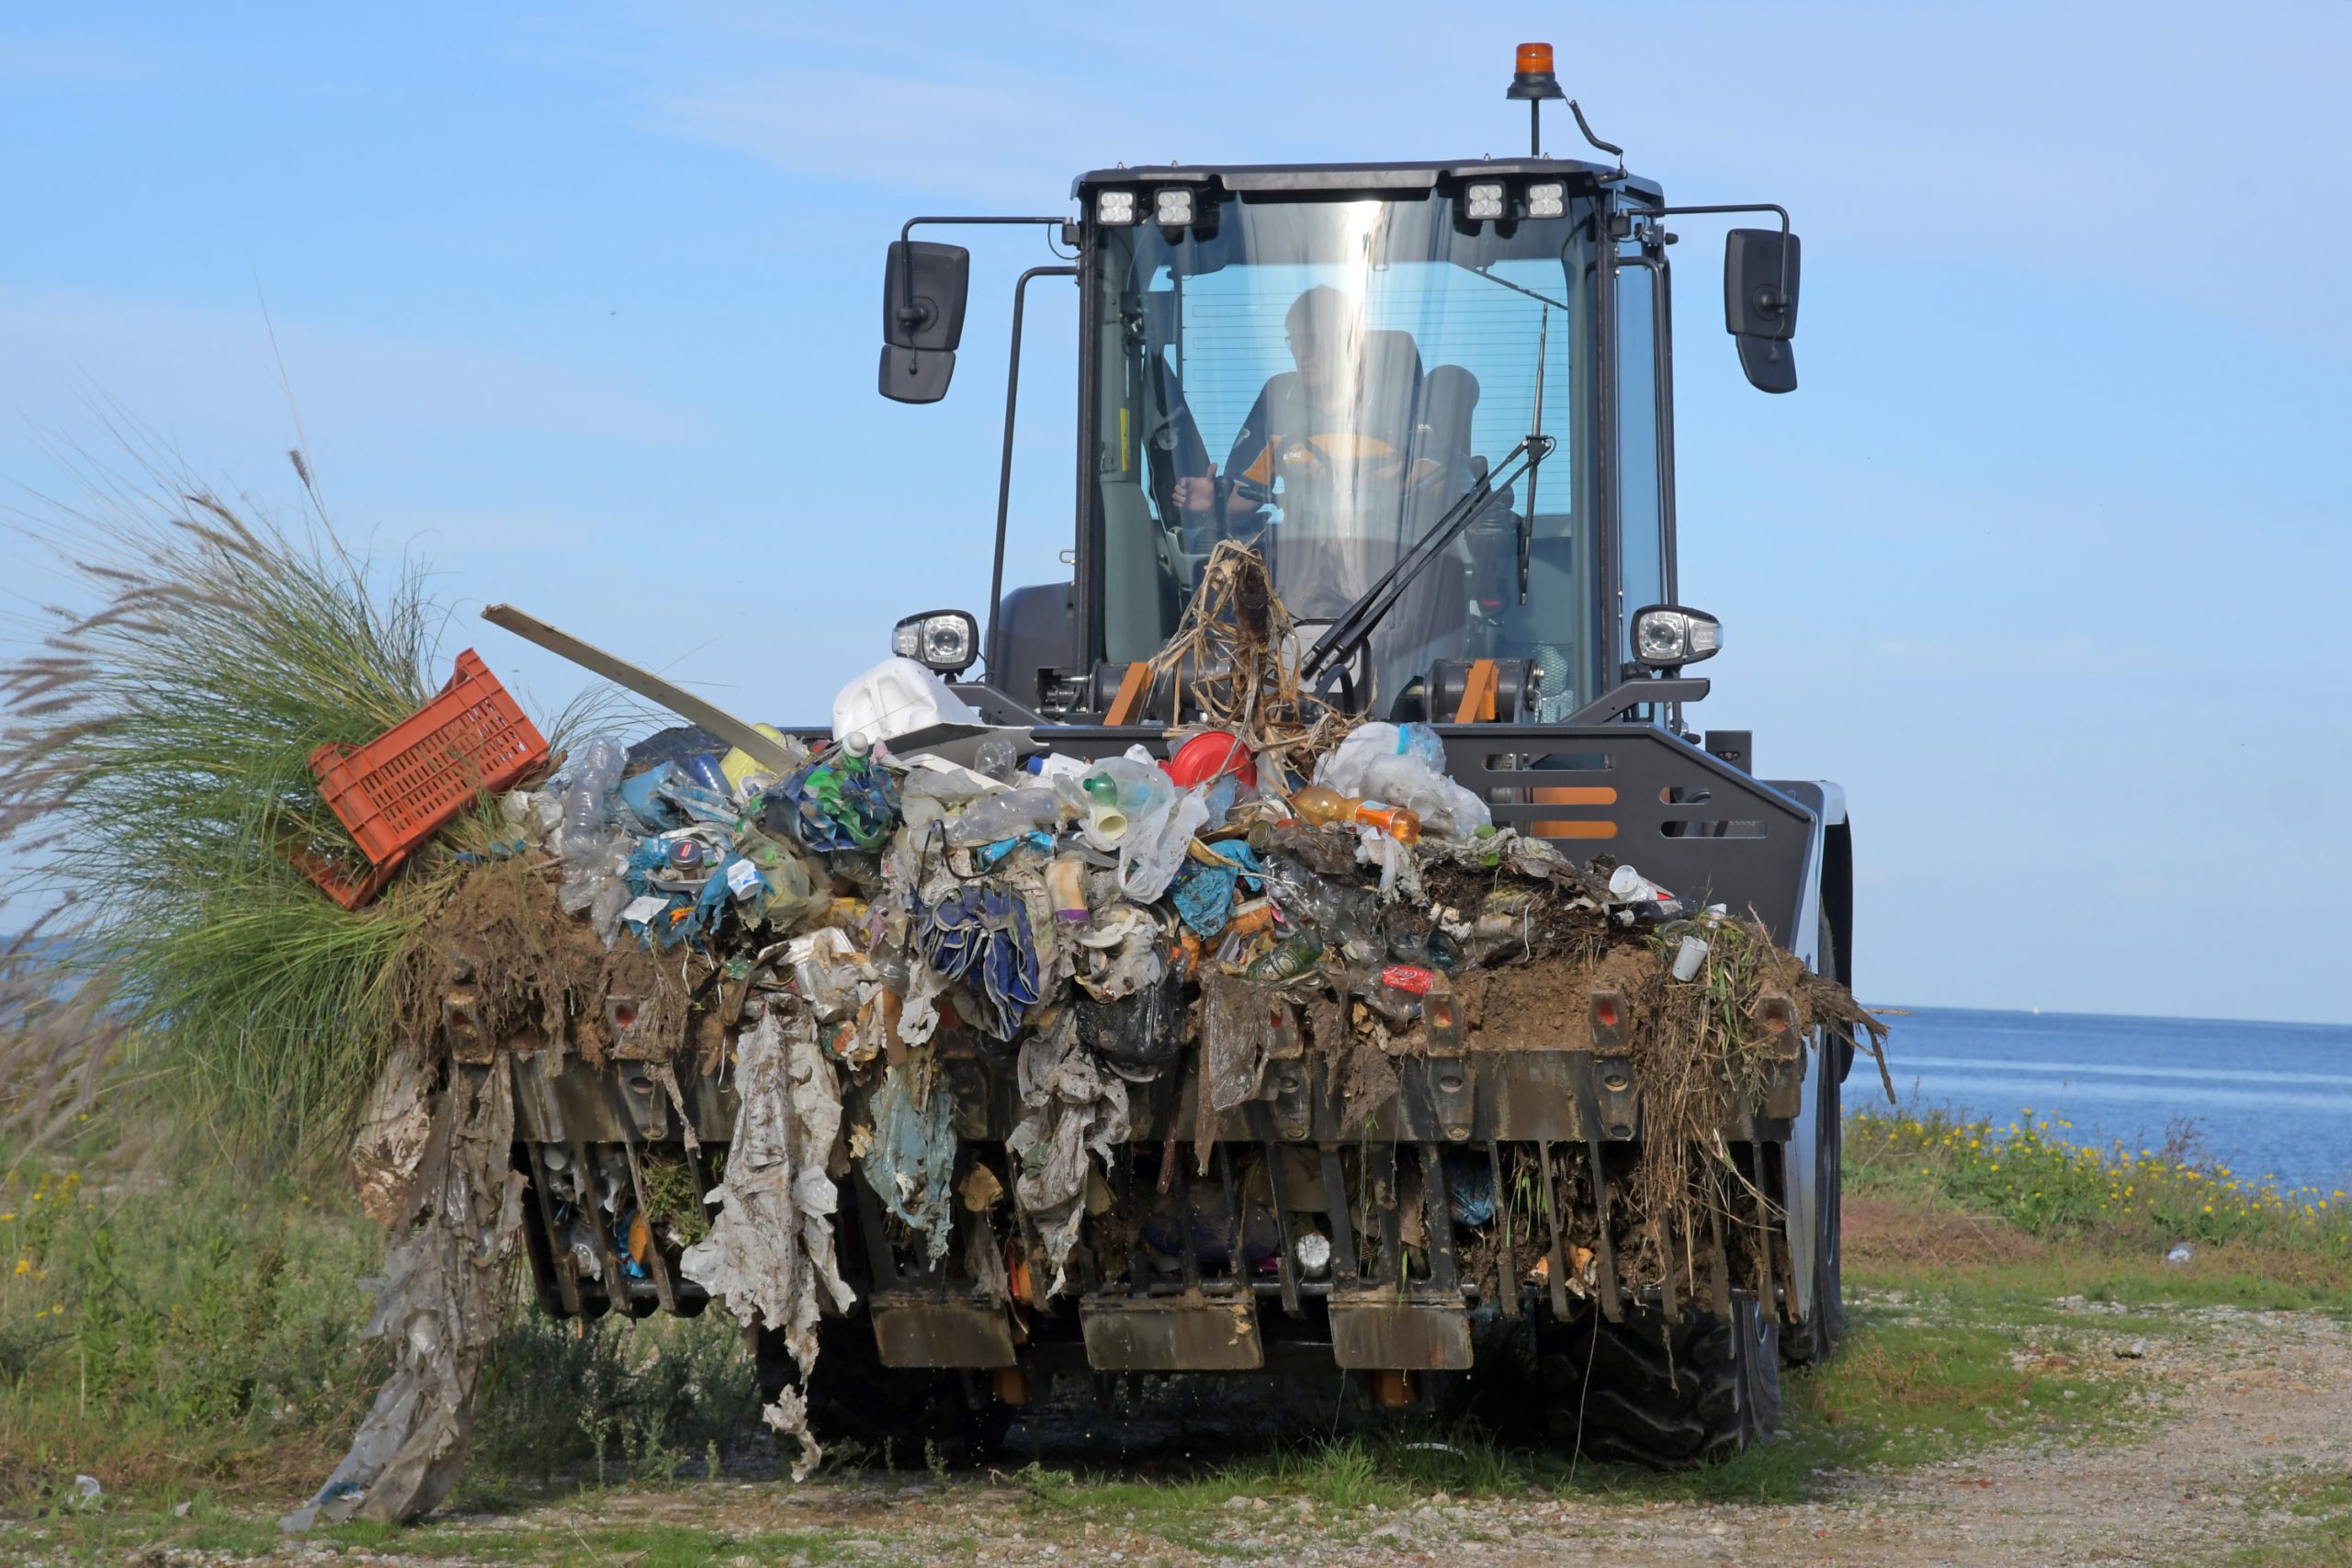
{"x":2303,"y":1518}
{"x":172,"y":1339}
{"x":199,"y":1344}
{"x":2117,"y":1211}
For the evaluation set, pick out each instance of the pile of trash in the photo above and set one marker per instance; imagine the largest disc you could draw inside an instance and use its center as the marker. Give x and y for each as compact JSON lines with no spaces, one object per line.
{"x":822,"y":923}
{"x":1101,"y":925}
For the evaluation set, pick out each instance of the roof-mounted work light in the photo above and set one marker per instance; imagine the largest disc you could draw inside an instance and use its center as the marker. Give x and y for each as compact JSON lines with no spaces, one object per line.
{"x":1114,"y":208}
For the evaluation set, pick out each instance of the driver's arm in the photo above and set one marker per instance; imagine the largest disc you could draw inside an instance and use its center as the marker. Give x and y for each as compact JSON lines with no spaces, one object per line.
{"x":1253,"y":459}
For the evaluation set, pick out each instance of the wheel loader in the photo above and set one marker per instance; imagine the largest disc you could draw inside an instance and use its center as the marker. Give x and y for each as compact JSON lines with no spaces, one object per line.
{"x":1435,"y":398}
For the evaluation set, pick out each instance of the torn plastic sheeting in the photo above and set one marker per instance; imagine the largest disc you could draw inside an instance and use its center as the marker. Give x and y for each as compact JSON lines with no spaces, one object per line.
{"x":1234,"y":1033}
{"x":912,"y":1163}
{"x":1153,"y":849}
{"x":439,"y":1302}
{"x":771,"y":1246}
{"x":1140,"y":1034}
{"x":1073,"y":1107}
{"x":395,"y":1130}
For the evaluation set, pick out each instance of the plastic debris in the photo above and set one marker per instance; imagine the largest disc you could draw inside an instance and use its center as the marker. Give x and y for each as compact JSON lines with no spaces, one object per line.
{"x":1071,"y":1110}
{"x":843,"y":935}
{"x":438,"y":1305}
{"x":896,"y":697}
{"x":842,"y":803}
{"x":911,"y":1165}
{"x":1403,"y":766}
{"x":771,"y":1249}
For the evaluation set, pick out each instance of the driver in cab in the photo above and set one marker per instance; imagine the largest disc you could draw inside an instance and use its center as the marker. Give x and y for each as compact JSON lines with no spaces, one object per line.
{"x":1335,"y":431}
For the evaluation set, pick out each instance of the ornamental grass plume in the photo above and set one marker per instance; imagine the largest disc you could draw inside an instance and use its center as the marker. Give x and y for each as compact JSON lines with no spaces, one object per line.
{"x":154,"y":776}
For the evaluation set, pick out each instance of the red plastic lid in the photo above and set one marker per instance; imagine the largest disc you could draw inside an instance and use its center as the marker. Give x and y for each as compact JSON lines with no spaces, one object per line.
{"x":1212,"y":754}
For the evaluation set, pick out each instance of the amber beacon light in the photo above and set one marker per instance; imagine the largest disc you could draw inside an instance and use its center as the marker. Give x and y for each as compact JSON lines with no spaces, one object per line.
{"x":1533,"y":78}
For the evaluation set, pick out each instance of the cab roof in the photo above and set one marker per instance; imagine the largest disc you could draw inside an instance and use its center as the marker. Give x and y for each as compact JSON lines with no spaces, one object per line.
{"x":1251,"y":179}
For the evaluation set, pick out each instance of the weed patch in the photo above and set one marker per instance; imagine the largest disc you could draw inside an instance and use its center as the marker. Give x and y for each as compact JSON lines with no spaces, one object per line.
{"x":1978,"y":1192}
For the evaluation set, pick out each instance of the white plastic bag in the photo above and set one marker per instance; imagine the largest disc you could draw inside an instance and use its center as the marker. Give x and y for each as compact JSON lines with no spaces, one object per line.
{"x":1152,"y":850}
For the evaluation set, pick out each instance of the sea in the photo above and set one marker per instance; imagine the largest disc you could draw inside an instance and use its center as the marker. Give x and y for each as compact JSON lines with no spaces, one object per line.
{"x":2267,"y":1099}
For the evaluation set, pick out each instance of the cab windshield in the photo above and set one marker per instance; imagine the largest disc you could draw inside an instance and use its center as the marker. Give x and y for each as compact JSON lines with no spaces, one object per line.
{"x":1325,"y":379}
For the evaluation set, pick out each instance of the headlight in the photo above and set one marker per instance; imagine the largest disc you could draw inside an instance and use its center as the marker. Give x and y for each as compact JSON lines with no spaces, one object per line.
{"x":1667,"y":637}
{"x":1547,"y":200}
{"x":1482,"y":200}
{"x":1172,"y":207}
{"x":945,"y":640}
{"x":1114,"y":208}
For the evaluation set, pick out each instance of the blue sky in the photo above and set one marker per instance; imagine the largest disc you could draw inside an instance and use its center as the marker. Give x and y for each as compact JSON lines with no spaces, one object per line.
{"x":2044,"y":562}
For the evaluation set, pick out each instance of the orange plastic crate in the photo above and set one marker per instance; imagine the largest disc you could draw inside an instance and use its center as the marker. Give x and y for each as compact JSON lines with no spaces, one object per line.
{"x":400,"y":788}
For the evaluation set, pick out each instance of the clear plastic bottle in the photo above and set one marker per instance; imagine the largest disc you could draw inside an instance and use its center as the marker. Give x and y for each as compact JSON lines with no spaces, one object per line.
{"x":594,"y":777}
{"x":998,"y":758}
{"x":593,"y":852}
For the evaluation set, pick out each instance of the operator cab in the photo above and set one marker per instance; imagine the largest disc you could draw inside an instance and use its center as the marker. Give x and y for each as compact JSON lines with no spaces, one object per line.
{"x":1437,"y":398}
{"x":1322,"y":362}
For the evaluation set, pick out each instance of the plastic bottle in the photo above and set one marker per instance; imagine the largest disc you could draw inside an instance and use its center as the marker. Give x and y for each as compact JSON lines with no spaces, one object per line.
{"x":997,"y":757}
{"x":592,"y":779}
{"x":1319,"y":805}
{"x":704,"y":769}
{"x":595,"y":854}
{"x":1289,"y":958}
{"x":1005,"y":815}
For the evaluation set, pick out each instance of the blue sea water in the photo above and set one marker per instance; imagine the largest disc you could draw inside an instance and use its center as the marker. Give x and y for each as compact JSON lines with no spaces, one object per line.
{"x":2265,"y":1099}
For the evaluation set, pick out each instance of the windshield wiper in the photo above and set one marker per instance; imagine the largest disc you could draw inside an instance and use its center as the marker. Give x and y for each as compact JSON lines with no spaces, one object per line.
{"x":1354,"y":628}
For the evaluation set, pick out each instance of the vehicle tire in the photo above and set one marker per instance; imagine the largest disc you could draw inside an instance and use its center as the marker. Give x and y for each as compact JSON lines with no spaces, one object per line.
{"x":903,"y":1413}
{"x":1664,"y":1391}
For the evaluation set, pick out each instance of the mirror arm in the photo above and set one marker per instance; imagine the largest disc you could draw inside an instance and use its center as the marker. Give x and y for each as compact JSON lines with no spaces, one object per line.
{"x":910,"y":317}
{"x":1780,"y":300}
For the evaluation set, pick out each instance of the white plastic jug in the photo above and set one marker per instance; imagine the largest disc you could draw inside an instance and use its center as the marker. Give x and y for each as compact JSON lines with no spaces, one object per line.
{"x":897,"y":696}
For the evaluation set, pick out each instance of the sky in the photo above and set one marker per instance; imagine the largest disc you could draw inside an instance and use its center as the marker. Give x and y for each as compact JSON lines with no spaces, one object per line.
{"x":2043,"y":562}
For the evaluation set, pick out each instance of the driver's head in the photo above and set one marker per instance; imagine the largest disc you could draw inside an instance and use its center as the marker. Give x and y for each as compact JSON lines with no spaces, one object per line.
{"x":1325,"y":334}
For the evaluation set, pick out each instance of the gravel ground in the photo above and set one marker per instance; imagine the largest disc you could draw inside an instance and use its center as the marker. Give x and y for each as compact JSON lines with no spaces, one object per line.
{"x":2235,"y":1399}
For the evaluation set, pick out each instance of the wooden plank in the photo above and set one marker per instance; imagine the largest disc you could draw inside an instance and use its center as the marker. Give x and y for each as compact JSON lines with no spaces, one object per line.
{"x":762,"y":749}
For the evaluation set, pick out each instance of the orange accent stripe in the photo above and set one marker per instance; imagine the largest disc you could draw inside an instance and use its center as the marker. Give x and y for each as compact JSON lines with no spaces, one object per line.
{"x":1575,"y":794}
{"x":1574,"y":829}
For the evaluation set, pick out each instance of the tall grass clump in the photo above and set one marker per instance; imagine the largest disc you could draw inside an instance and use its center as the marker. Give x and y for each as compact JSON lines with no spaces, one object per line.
{"x":154,"y":773}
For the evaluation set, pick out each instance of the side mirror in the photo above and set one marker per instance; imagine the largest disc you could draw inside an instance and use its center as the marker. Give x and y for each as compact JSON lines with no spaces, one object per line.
{"x":1761,"y":305}
{"x":924,"y":290}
